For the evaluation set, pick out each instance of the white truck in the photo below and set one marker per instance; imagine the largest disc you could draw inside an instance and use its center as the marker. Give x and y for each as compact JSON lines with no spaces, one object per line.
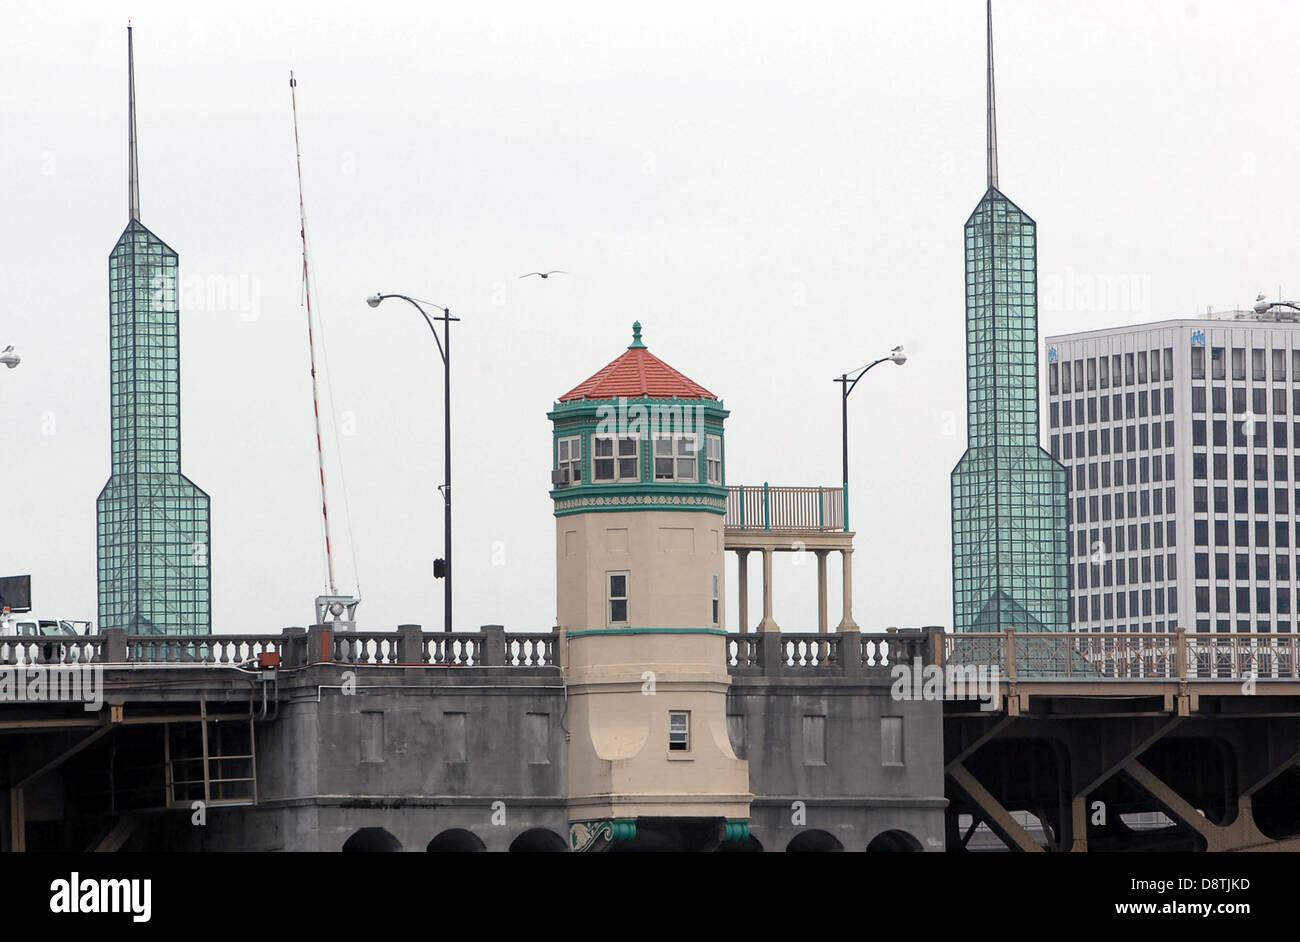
{"x":26,"y":640}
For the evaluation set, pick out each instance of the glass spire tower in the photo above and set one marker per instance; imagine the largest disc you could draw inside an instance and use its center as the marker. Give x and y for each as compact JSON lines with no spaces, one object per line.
{"x":1010,"y":538}
{"x":153,"y":522}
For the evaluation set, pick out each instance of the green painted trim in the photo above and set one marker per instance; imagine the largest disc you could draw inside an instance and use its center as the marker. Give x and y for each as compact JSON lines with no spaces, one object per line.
{"x":636,"y":508}
{"x":645,"y":631}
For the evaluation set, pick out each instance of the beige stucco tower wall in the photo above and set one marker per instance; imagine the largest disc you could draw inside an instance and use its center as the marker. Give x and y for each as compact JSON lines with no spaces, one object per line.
{"x":640,"y":596}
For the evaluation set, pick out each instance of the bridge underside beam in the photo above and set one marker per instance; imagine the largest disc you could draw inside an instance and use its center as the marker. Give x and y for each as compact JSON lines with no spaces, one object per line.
{"x":998,"y":818}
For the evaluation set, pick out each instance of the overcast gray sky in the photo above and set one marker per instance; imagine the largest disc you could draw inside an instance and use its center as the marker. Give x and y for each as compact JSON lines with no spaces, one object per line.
{"x":776,"y":191}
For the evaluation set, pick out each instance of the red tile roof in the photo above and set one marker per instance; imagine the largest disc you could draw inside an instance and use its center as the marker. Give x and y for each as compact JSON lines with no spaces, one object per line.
{"x":638,"y":373}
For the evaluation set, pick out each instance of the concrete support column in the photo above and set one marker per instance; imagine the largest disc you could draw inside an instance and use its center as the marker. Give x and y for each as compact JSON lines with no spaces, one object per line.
{"x":768,"y":623}
{"x":822,"y":619}
{"x":847,"y":623}
{"x":742,"y":574}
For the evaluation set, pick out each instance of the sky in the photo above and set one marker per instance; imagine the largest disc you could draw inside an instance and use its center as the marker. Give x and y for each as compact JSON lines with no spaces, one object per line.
{"x":776,"y":191}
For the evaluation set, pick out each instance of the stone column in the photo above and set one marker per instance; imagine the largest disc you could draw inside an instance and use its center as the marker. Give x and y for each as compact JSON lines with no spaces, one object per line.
{"x":742,"y":574}
{"x":822,"y":619}
{"x":768,"y":623}
{"x":847,"y":623}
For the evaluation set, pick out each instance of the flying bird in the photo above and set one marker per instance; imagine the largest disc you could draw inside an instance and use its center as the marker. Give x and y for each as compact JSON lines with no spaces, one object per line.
{"x":544,"y":274}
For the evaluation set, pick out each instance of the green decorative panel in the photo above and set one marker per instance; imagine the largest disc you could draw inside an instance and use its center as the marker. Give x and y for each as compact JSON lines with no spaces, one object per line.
{"x":1009,"y":530}
{"x":153,"y":522}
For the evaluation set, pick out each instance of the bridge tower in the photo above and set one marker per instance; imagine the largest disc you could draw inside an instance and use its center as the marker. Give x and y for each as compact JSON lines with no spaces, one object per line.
{"x":640,"y":500}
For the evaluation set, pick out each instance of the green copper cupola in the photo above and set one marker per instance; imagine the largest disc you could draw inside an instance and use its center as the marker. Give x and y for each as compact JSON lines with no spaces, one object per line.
{"x":638,"y":434}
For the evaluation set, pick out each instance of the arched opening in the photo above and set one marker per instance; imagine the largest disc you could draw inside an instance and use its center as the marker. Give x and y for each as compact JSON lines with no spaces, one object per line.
{"x":749,"y":845}
{"x":456,"y":841}
{"x":538,"y":841}
{"x":815,"y":842}
{"x":894,"y":842}
{"x":371,"y":840}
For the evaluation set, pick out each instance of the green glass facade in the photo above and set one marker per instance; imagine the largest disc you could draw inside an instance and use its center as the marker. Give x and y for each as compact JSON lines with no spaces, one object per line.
{"x":1009,"y":529}
{"x":153,"y":522}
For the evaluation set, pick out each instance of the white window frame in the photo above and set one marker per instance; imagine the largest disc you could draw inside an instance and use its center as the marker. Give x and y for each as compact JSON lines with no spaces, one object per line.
{"x":713,"y":458}
{"x":611,"y":598}
{"x":678,"y":451}
{"x":617,"y":457}
{"x":679,"y":730}
{"x":570,"y":463}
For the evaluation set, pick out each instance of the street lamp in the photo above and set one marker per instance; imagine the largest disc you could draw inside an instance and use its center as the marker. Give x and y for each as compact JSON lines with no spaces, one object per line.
{"x":444,"y":351}
{"x":847,"y":382}
{"x":9,"y":357}
{"x":1263,"y":307}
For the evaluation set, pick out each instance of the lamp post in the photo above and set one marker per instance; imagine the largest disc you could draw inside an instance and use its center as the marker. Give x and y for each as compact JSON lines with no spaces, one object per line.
{"x":847,"y":383}
{"x":9,"y":357}
{"x":1263,"y":307}
{"x":444,"y":351}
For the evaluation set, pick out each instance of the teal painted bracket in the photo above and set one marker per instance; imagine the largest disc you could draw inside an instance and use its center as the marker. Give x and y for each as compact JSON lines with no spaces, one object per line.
{"x":583,"y":835}
{"x":737,"y":830}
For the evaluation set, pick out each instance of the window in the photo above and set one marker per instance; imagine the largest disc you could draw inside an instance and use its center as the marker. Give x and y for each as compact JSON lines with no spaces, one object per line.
{"x":1053,"y":379}
{"x":1279,"y":365}
{"x":675,"y":457}
{"x":1169,"y":364}
{"x":1257,"y":365}
{"x":716,"y":613}
{"x":569,"y":453}
{"x":606,"y":466}
{"x":1238,"y":363}
{"x":679,"y":731}
{"x":1217,"y":370}
{"x":713,"y":457}
{"x":617,"y":598}
{"x":1198,"y":363}
{"x":814,"y":740}
{"x":891,"y":740}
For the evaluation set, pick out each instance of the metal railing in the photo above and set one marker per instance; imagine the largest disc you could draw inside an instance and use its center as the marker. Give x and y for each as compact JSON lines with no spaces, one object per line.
{"x":763,"y":507}
{"x":1169,"y":655}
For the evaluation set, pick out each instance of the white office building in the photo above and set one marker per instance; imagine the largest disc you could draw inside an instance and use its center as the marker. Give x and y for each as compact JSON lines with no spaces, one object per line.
{"x":1181,"y":440}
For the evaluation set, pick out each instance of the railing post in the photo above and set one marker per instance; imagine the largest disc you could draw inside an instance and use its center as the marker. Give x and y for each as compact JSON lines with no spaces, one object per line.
{"x":767,"y":507}
{"x":493,"y":653}
{"x":293,"y":647}
{"x":845,"y":508}
{"x":742,"y":506}
{"x":320,"y":643}
{"x":1180,"y":652}
{"x":850,"y":652}
{"x":410,"y":644}
{"x":771,"y":653}
{"x":113,"y":650}
{"x":821,"y":508}
{"x":1011,"y":653}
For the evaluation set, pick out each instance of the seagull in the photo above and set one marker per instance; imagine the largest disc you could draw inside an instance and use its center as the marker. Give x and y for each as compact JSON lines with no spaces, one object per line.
{"x":544,"y":274}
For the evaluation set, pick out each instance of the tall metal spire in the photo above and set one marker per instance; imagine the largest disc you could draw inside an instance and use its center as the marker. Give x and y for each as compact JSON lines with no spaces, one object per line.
{"x":992,"y":107}
{"x":133,"y":183}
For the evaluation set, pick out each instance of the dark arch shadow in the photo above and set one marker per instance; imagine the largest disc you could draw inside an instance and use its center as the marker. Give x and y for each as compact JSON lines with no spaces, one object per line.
{"x":371,"y":840}
{"x":894,"y":842}
{"x":454,"y":841}
{"x":814,"y":841}
{"x":538,"y":841}
{"x":749,"y":845}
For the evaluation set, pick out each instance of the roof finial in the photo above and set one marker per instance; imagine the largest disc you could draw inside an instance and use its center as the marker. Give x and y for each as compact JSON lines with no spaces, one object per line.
{"x":133,"y":173}
{"x":636,"y":343}
{"x":993,"y":114}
